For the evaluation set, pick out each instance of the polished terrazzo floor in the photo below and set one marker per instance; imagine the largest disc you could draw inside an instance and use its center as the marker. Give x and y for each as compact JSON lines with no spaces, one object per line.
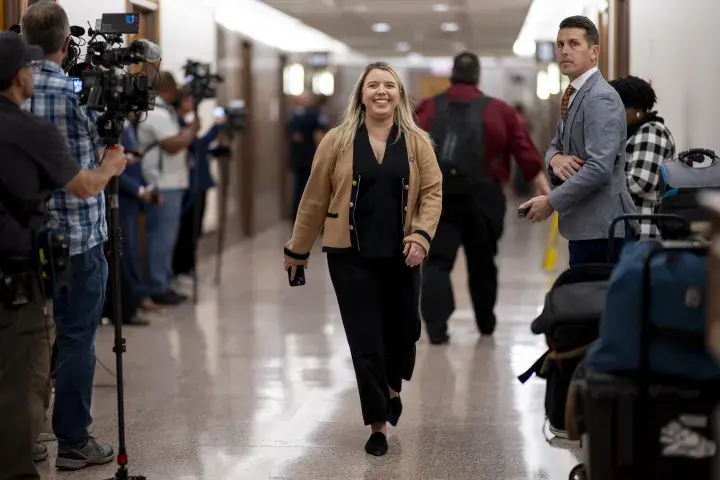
{"x":256,"y":382}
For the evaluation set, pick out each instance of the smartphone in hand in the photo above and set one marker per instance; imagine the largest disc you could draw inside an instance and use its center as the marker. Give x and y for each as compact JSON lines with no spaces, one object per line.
{"x":299,"y":279}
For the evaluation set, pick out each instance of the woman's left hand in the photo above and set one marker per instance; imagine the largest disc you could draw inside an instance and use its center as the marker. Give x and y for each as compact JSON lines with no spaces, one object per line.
{"x":414,"y":254}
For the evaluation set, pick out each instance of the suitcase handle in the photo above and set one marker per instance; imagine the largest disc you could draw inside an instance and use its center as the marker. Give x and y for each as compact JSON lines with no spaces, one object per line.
{"x":655,"y":217}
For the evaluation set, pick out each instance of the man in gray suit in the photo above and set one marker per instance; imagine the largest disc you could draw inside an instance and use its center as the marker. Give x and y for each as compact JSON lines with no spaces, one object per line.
{"x":586,"y":158}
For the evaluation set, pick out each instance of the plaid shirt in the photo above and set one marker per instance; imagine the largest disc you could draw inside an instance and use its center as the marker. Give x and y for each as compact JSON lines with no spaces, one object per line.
{"x":650,"y":147}
{"x":56,"y":101}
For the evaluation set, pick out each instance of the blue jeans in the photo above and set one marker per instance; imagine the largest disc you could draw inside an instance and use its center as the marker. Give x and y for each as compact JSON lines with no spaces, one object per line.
{"x":129,"y":217}
{"x":77,"y":316}
{"x":163,"y":225}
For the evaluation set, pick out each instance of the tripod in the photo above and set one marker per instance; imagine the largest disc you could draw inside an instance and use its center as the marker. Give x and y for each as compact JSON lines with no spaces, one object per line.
{"x":119,"y":345}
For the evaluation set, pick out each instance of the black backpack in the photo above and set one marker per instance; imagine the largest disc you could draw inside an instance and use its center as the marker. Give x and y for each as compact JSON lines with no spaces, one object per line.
{"x":459,"y":134}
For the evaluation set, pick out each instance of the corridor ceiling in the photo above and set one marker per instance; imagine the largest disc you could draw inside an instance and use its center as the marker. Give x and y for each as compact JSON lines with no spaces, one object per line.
{"x":487,"y":27}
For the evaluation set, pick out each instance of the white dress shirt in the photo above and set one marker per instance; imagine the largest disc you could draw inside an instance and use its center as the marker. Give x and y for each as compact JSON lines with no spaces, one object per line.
{"x":579,"y":82}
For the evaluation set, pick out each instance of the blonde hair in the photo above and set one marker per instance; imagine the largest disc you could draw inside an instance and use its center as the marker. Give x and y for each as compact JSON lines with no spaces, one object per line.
{"x":354,"y":115}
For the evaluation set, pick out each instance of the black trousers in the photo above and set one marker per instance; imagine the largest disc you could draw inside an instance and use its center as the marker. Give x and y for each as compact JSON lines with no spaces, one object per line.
{"x":378,"y":300}
{"x":476,"y":222}
{"x":191,"y":222}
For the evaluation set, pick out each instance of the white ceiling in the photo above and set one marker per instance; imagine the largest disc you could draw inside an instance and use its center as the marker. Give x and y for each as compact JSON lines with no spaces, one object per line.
{"x":487,"y":27}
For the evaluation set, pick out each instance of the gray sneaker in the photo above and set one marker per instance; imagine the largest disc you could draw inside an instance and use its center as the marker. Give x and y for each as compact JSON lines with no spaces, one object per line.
{"x":92,"y":453}
{"x":40,"y":453}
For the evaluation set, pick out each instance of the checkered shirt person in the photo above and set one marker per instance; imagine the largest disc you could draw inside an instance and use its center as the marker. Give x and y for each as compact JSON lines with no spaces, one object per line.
{"x":56,"y":101}
{"x":650,"y":147}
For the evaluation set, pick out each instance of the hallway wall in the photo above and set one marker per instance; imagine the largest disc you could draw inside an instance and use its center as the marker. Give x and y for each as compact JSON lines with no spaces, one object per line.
{"x":672,"y":46}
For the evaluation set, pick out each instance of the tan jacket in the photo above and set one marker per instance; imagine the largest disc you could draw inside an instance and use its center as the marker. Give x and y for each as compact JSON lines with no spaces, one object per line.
{"x":328,"y":200}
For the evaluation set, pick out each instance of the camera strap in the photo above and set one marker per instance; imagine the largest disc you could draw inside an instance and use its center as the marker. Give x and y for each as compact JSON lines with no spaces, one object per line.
{"x":154,"y":145}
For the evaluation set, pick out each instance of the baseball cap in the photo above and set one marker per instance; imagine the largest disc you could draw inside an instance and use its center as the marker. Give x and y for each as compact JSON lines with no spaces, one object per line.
{"x":15,"y":54}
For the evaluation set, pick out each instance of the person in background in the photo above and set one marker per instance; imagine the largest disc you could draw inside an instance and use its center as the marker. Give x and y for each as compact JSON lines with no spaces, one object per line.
{"x":522,"y":187}
{"x":305,"y":129}
{"x":134,"y":195}
{"x":376,"y":187}
{"x":586,"y":158}
{"x":200,"y":181}
{"x":474,"y":204}
{"x":649,"y":145}
{"x":165,"y":166}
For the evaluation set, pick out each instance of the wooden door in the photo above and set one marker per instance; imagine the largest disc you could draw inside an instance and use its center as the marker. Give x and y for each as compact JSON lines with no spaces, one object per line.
{"x":11,"y":13}
{"x":247,"y":144}
{"x":603,"y":28}
{"x":622,"y":38}
{"x":431,"y":85}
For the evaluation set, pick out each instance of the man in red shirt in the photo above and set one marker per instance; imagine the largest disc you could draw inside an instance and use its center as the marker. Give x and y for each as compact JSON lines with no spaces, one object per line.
{"x":475,"y":136}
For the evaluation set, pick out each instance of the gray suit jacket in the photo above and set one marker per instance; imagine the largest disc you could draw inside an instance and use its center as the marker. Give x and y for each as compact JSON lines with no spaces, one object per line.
{"x":596,"y":132}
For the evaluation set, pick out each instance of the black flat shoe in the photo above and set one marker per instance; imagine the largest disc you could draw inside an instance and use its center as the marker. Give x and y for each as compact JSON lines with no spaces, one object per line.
{"x":395,"y":410}
{"x":377,"y":444}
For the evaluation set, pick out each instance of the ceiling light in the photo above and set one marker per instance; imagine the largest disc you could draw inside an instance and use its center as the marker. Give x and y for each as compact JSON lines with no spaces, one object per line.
{"x":402,"y":47}
{"x":381,"y":27}
{"x":449,"y":27}
{"x":441,"y":7}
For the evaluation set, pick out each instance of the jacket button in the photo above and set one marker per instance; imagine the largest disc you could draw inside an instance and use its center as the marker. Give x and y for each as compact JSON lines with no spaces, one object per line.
{"x":352,"y":228}
{"x":407,"y":187}
{"x":352,"y":204}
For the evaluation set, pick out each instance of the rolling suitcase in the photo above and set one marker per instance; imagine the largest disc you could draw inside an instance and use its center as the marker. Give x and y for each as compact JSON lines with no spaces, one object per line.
{"x":649,"y":395}
{"x":570,"y":322}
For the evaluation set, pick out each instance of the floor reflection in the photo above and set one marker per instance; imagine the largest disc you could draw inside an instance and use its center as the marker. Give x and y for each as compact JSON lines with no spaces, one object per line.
{"x":256,"y":382}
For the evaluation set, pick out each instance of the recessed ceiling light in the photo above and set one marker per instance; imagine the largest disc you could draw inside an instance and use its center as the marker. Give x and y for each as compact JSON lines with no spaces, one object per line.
{"x":449,"y":27}
{"x":441,"y":7}
{"x":402,"y":47}
{"x":381,"y":27}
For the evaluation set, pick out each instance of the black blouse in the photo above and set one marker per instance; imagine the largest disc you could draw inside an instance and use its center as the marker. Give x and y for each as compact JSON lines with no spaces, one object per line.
{"x":378,"y":205}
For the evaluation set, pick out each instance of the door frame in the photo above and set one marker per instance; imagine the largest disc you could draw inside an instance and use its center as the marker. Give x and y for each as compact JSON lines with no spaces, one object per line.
{"x":622,"y":38}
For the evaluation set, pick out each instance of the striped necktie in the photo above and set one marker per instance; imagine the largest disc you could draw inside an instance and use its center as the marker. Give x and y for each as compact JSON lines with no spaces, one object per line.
{"x":566,"y":101}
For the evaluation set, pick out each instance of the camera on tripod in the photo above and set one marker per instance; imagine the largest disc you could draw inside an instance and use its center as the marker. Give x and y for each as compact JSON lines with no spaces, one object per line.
{"x":201,"y":83}
{"x":104,"y":85}
{"x":234,"y":115}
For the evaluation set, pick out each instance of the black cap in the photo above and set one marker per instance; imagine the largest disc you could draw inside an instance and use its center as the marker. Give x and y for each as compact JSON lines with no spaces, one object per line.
{"x":15,"y":54}
{"x":466,"y":68}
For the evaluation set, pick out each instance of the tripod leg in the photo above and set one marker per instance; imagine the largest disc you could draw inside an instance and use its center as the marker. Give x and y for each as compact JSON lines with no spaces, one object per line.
{"x":223,"y":194}
{"x":196,"y":231}
{"x":119,"y":343}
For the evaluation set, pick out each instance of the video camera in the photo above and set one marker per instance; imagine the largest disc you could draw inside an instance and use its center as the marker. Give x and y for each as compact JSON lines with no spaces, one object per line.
{"x":234,"y":115}
{"x":200,"y":82}
{"x":104,"y":85}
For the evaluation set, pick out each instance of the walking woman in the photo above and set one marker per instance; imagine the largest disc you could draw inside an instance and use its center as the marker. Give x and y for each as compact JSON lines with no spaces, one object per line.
{"x":376,"y":188}
{"x":649,"y":145}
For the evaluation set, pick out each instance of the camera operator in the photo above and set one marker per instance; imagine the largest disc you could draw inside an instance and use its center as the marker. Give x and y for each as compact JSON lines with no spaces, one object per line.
{"x":78,"y":310}
{"x":165,"y":166}
{"x":201,"y":180}
{"x":29,"y":173}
